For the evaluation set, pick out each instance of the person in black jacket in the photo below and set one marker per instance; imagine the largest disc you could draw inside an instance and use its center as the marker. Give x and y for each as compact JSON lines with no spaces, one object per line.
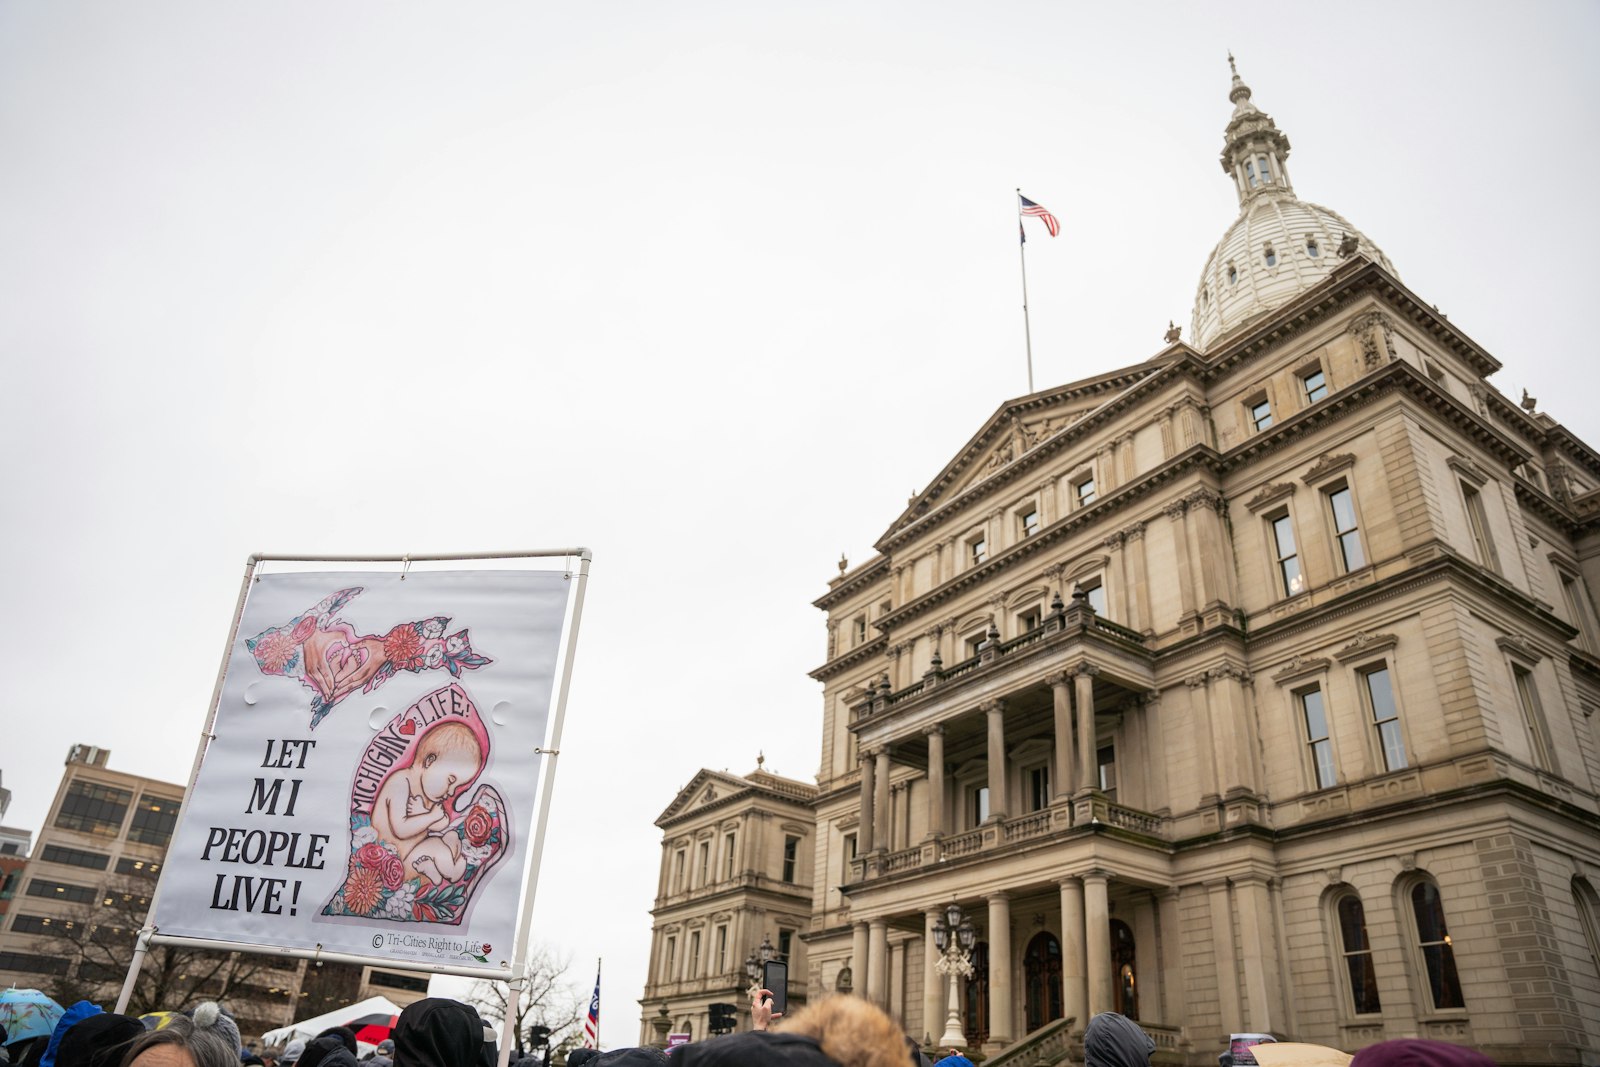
{"x":436,"y":1032}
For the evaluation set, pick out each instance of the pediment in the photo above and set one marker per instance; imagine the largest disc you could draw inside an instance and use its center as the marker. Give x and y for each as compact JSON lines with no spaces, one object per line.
{"x":1017,"y":428}
{"x":705,"y":788}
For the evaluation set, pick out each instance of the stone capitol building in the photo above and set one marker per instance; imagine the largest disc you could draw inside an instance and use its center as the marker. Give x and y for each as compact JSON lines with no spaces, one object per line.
{"x":1247,"y":688}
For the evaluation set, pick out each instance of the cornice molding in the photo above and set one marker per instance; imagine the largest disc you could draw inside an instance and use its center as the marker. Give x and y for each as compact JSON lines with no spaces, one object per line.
{"x":850,"y":584}
{"x":1366,"y":644}
{"x":1270,"y":495}
{"x":856,"y":656}
{"x":1328,"y":465}
{"x":1302,"y":667}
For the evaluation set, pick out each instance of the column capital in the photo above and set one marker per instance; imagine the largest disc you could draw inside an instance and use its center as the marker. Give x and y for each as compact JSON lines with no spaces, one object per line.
{"x":993,"y":707}
{"x":1113,"y":542}
{"x":1176,"y":509}
{"x":937,"y":729}
{"x":1096,"y":874}
{"x":1134,"y":532}
{"x":1059,"y":680}
{"x":1000,"y":896}
{"x":1198,"y":680}
{"x":1085,"y":668}
{"x":1152,"y":696}
{"x":1071,"y":881}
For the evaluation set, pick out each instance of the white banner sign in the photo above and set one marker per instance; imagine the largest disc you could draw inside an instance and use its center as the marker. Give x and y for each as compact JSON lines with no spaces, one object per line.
{"x":370,"y":785}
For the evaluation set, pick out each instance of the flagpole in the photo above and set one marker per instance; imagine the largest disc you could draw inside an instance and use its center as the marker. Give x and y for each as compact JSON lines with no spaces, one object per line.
{"x":1022,"y":250}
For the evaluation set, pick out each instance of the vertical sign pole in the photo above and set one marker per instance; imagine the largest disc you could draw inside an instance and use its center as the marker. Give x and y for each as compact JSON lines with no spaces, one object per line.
{"x":142,"y":945}
{"x":1022,"y":250}
{"x":520,"y":946}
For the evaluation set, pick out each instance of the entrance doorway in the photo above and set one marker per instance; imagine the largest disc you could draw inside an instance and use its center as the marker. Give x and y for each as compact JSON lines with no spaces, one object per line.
{"x":1123,"y":980}
{"x":1041,"y":977}
{"x":977,"y":1021}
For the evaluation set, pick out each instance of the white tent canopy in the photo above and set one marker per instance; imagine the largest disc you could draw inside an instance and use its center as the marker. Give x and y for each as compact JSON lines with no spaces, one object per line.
{"x":307,"y":1029}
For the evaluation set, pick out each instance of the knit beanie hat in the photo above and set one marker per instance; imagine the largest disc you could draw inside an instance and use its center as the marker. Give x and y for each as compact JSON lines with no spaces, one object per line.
{"x":210,"y":1016}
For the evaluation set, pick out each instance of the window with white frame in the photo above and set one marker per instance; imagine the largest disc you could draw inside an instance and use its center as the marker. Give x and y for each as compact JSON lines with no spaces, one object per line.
{"x":694,"y":954}
{"x":978,"y":550}
{"x":1435,"y":949}
{"x":1346,"y":528}
{"x":1083,"y":490}
{"x":1028,"y":520}
{"x":1280,"y":528}
{"x":705,"y":862}
{"x":1095,"y":589}
{"x":1385,"y":716}
{"x":668,"y":972}
{"x":1315,"y":385}
{"x":1478,"y":523}
{"x":678,"y":862}
{"x":977,"y":805}
{"x":1259,"y":408}
{"x":859,"y":628}
{"x":974,"y":643}
{"x":1038,"y":785}
{"x":1029,"y":620}
{"x":1105,"y":758}
{"x":721,"y":958}
{"x":1532,"y":716}
{"x":848,"y":847}
{"x":1360,"y":977}
{"x":1266,"y":171}
{"x":1314,"y":720}
{"x":729,"y":853}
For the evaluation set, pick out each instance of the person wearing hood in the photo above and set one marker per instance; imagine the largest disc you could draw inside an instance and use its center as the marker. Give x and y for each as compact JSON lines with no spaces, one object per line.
{"x":69,"y":1018}
{"x":435,"y":1032}
{"x":334,"y":1047}
{"x":1113,"y":1040}
{"x":292,"y":1053}
{"x":384,"y":1057}
{"x":98,"y":1041}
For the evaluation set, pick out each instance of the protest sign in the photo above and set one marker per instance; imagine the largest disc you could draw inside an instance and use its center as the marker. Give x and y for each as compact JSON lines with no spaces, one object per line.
{"x":370,"y":783}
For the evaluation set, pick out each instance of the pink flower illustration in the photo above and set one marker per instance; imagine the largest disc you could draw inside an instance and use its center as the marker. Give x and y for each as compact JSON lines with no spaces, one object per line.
{"x":275,"y":650}
{"x":372,"y":855}
{"x":393,"y":871}
{"x":362,"y":890}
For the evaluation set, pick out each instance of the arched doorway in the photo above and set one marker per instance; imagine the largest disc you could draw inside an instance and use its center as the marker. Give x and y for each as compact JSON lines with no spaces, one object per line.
{"x":1123,"y":980}
{"x":977,"y":1021}
{"x":1041,"y":981}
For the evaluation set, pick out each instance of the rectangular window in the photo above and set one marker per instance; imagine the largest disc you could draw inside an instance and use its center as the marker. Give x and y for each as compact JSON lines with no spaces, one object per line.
{"x":39,"y":924}
{"x":861,"y":629}
{"x":729,"y":853}
{"x":705,"y":862}
{"x":849,"y":847}
{"x":1266,"y":171}
{"x":678,"y":861}
{"x":1085,"y":491}
{"x":722,"y":950}
{"x":1316,"y":723}
{"x":694,"y":954}
{"x":1095,"y":590}
{"x":1250,"y":172}
{"x":139,"y":868}
{"x":153,"y":820}
{"x":75,"y":857}
{"x":1532,"y":717}
{"x":1106,"y":759}
{"x":1028,"y":620}
{"x":672,"y":959}
{"x":978,"y":550}
{"x":1316,"y":386}
{"x":1294,"y":583}
{"x":1029,"y":520}
{"x":91,"y":808}
{"x":1039,"y":788}
{"x":1385,"y":717}
{"x":1345,"y":531}
{"x":785,"y":943}
{"x":791,"y":856}
{"x":1261,"y":414}
{"x":1574,"y":593}
{"x":72,"y":894}
{"x":1478,"y":521}
{"x":978,"y":804}
{"x":974,"y":644}
{"x":32,"y":963}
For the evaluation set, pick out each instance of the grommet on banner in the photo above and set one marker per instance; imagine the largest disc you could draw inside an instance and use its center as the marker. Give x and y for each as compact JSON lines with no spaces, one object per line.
{"x":405,"y":562}
{"x":548,"y":751}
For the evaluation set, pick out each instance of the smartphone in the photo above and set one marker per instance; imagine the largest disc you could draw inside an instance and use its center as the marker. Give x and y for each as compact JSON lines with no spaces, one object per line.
{"x":775,"y":977}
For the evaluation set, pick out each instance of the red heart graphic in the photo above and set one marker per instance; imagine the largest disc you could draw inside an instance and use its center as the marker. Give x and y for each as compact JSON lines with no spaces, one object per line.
{"x":408,"y":727}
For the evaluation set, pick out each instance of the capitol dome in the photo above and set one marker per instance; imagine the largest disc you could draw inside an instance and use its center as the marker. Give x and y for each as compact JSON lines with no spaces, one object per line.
{"x":1279,"y":246}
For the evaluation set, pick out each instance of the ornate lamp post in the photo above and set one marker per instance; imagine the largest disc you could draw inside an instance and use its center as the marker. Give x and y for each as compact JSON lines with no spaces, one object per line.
{"x":753,"y":962}
{"x":954,"y":937}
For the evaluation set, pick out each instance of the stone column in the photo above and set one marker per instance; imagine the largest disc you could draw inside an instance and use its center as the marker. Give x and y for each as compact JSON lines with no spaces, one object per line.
{"x":1047,"y":502}
{"x":1097,"y":940}
{"x":880,"y":804}
{"x":869,"y":796}
{"x":858,"y":958}
{"x":878,"y":963}
{"x":1139,"y":602}
{"x":1061,"y":766}
{"x":1173,"y":998}
{"x":933,"y":991}
{"x":1088,"y":776}
{"x":936,"y":797}
{"x":1236,"y":770}
{"x":996,"y":757}
{"x":1116,"y":580}
{"x":1258,"y":944}
{"x":1000,"y":968}
{"x":1074,"y":977}
{"x":1226,"y":980}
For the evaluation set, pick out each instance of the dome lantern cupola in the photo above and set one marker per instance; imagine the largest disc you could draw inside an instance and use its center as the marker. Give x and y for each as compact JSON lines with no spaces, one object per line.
{"x":1254,"y":152}
{"x":1279,"y":246}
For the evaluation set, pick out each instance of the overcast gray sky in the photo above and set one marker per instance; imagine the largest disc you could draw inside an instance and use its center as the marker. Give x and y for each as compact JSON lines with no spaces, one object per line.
{"x":711,"y":288}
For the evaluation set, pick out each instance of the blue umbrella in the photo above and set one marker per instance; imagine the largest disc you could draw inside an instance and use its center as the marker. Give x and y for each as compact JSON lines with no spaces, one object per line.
{"x":27,"y":1013}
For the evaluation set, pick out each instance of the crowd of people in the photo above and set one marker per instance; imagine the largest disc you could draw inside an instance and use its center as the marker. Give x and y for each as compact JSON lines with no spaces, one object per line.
{"x":836,"y":1031}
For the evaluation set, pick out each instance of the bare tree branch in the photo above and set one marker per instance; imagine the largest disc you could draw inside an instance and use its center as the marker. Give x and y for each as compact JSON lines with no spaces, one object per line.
{"x":549,"y":999}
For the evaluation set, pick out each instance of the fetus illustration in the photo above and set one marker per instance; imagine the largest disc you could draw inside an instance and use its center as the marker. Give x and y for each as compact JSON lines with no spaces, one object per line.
{"x":424,"y":831}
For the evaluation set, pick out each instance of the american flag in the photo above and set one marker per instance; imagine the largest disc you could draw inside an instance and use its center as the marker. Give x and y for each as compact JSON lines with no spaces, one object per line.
{"x":1028,"y":207}
{"x":591,"y":1022}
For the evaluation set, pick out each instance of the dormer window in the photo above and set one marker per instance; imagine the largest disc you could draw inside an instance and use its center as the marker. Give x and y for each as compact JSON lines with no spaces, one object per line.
{"x":1233,"y":274}
{"x":1270,"y":256}
{"x":1266,"y":172}
{"x":1311,"y":248}
{"x":1250,"y":173}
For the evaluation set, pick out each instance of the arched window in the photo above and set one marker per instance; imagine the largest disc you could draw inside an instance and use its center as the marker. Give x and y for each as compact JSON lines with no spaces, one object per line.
{"x":977,"y":1022}
{"x":1233,"y":274}
{"x":1583,"y":895}
{"x":1435,"y":947}
{"x":1250,"y":172}
{"x":1041,"y":977}
{"x":1270,"y":256}
{"x":1311,"y":248}
{"x":1360,"y":977}
{"x":1125,"y":991}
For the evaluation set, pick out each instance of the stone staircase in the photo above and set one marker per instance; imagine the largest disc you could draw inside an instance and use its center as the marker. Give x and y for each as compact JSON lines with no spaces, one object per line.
{"x":1047,"y":1046}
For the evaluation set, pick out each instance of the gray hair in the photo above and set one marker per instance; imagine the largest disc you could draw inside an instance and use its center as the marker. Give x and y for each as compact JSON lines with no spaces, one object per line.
{"x":206,"y":1047}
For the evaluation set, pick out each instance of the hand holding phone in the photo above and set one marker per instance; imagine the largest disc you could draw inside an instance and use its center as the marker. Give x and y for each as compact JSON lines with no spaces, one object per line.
{"x":775,"y":980}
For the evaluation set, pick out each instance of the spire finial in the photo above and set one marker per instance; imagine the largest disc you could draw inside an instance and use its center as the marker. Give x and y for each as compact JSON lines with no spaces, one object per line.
{"x":761,"y":760}
{"x":1231,"y":67}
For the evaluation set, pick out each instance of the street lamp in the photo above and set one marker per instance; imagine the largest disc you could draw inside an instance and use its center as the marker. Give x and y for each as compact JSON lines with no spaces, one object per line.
{"x":754,"y":962}
{"x":954,"y":937}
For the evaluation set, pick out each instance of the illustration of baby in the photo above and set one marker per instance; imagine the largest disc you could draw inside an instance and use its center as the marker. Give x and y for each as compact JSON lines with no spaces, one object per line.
{"x":411,"y":813}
